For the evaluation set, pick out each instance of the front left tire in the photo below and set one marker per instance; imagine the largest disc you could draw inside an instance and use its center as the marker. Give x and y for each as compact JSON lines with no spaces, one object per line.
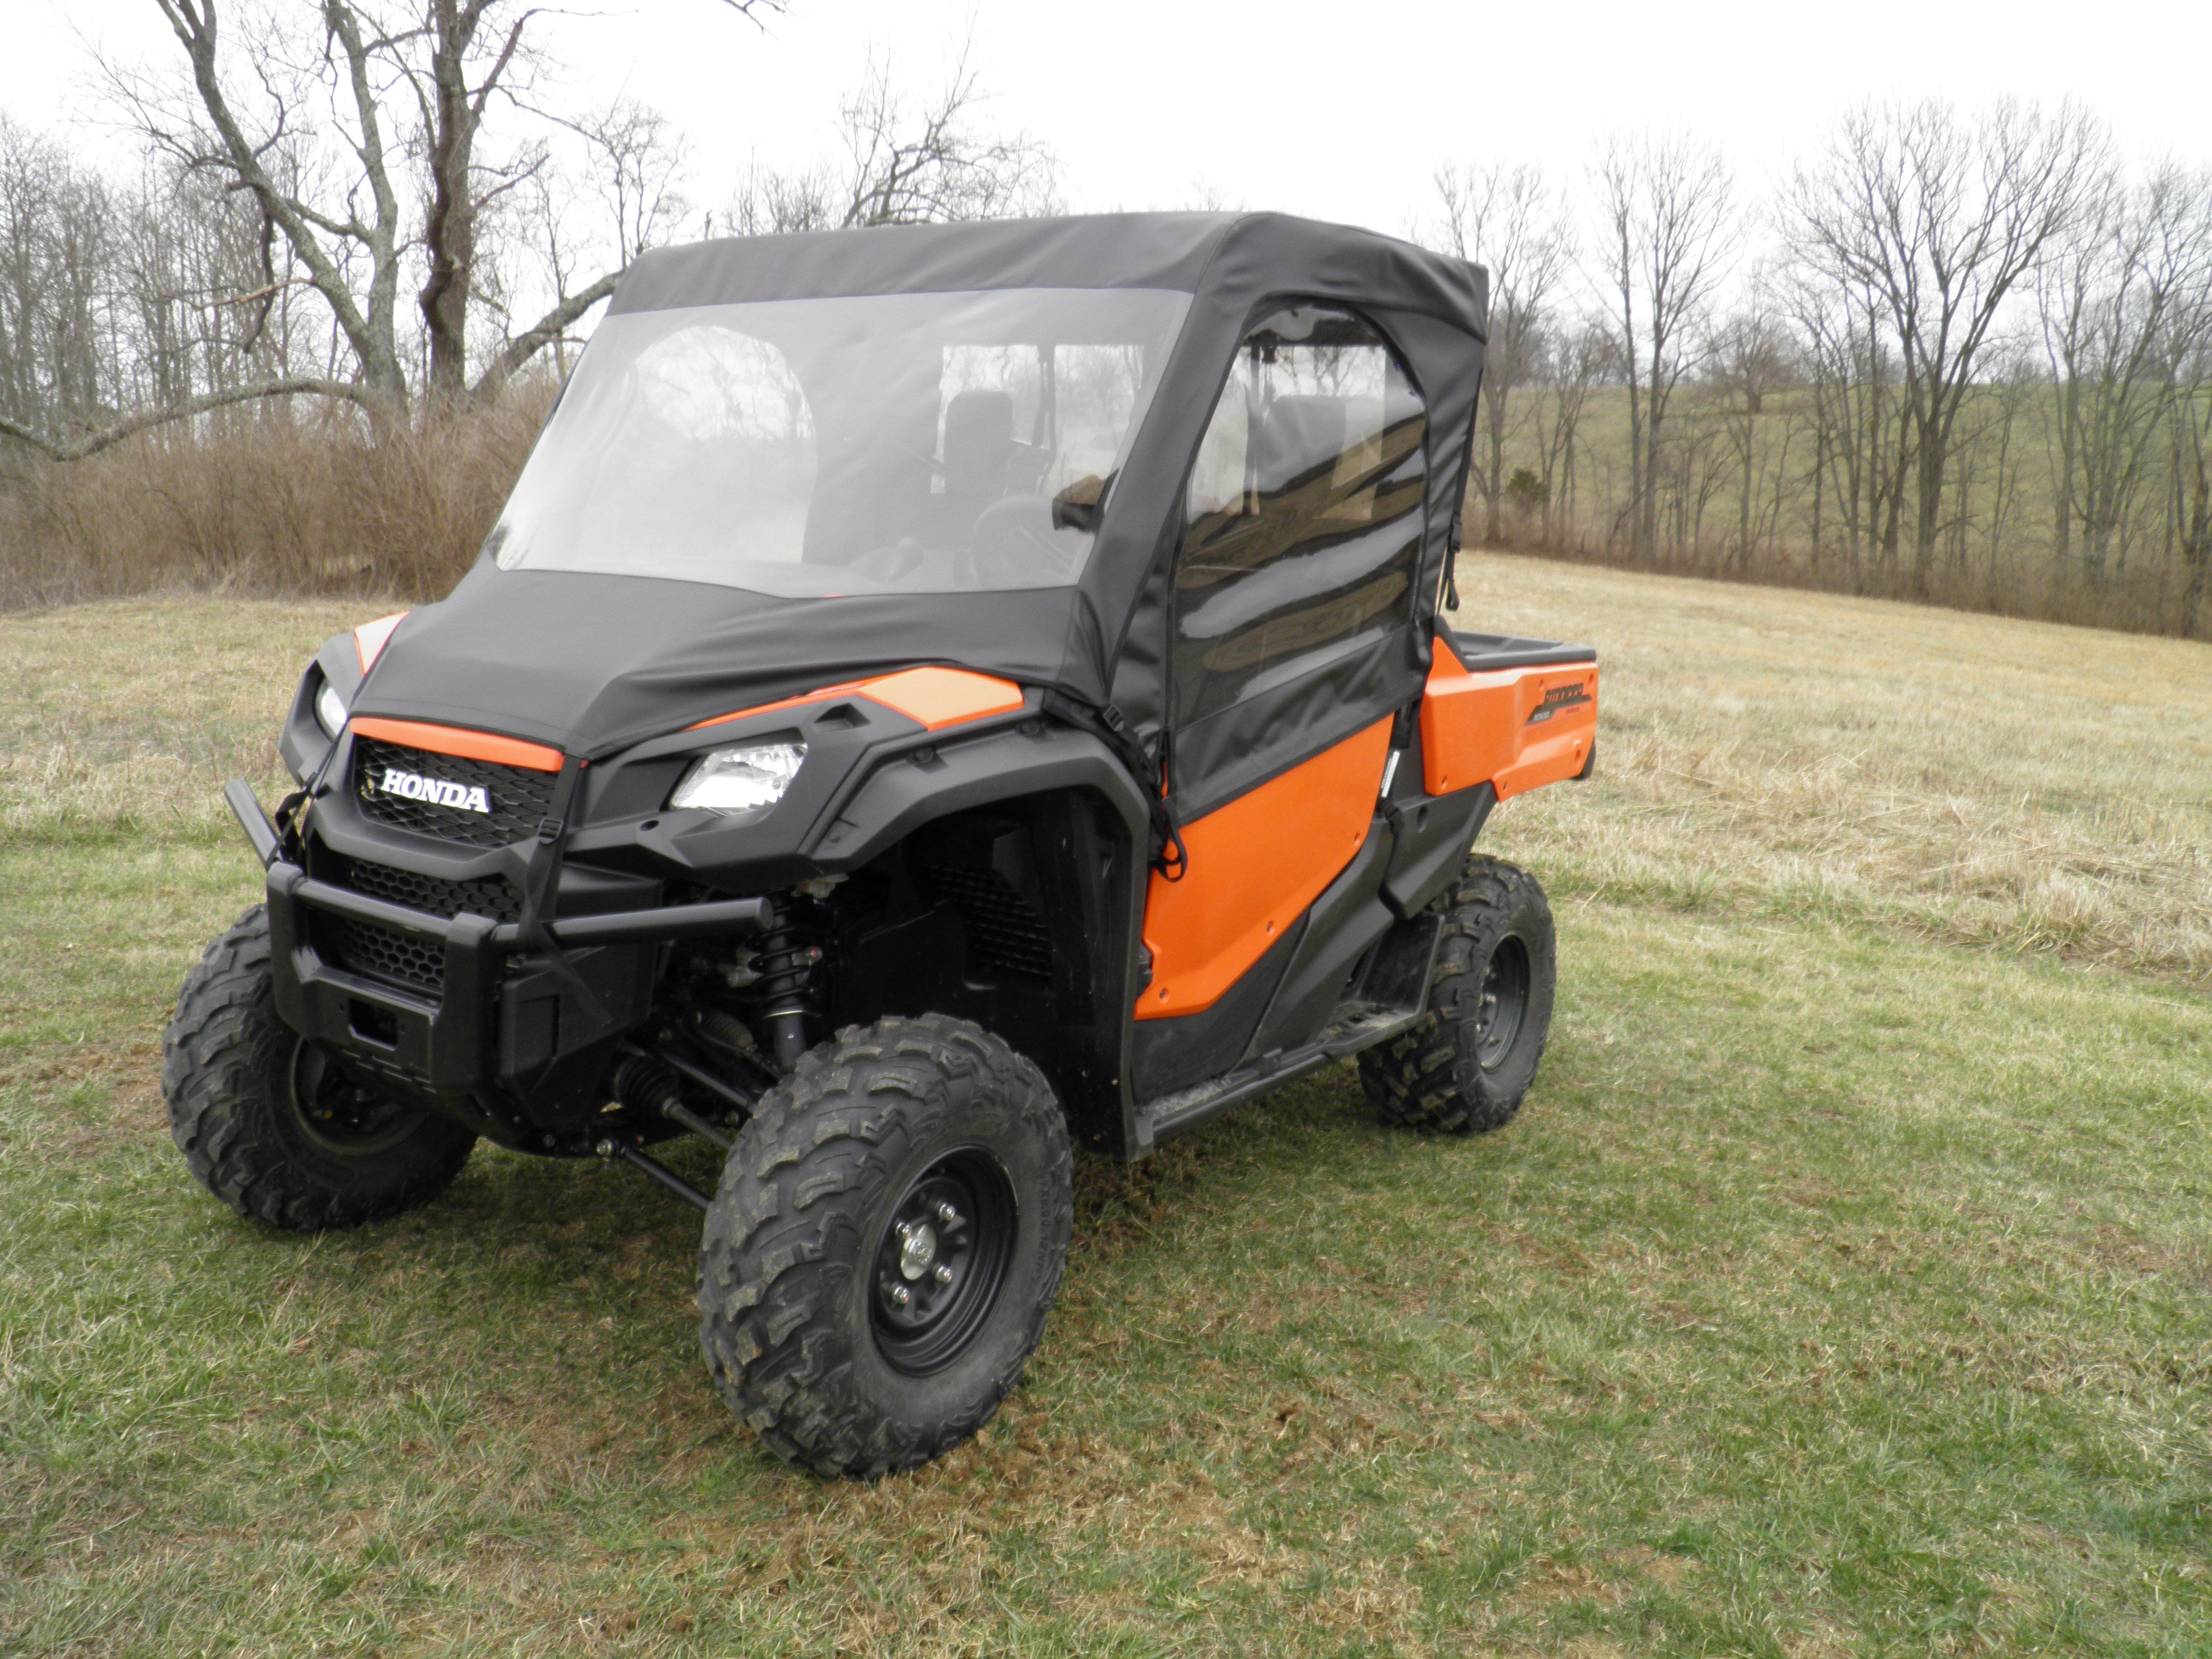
{"x":887,"y":1239}
{"x":273,"y":1127}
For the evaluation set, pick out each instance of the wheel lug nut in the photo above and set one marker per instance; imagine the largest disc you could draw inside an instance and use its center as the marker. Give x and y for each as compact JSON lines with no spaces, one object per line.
{"x":943,"y":1274}
{"x":901,"y":1296}
{"x":947,"y":1214}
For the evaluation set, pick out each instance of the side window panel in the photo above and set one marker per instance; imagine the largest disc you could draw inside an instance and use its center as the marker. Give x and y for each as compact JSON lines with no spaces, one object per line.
{"x":1304,"y":522}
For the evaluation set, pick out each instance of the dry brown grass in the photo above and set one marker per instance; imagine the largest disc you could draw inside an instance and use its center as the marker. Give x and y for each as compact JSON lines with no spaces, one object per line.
{"x":129,"y":714}
{"x":266,"y":507}
{"x":2022,"y":582}
{"x":1977,"y":779}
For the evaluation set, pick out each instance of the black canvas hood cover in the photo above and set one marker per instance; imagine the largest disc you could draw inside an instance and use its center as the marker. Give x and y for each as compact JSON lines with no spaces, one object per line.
{"x":593,"y":663}
{"x":590,"y":664}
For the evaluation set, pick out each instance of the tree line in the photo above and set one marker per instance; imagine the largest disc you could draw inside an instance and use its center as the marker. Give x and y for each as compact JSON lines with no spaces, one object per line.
{"x":1946,"y":354}
{"x":396,"y":208}
{"x":1963,"y":356}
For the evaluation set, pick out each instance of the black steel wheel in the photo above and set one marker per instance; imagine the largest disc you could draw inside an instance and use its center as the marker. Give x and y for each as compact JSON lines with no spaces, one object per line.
{"x":942,"y":1259}
{"x":1466,"y":1068}
{"x":273,"y":1127}
{"x":1502,"y":1006}
{"x":338,"y":1112}
{"x":887,"y":1242}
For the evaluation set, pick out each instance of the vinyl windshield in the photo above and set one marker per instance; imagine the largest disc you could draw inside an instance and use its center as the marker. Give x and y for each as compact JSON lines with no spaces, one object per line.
{"x":887,"y":443}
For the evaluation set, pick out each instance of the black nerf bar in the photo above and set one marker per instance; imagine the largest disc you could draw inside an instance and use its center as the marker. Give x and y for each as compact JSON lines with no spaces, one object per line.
{"x":745,"y":915}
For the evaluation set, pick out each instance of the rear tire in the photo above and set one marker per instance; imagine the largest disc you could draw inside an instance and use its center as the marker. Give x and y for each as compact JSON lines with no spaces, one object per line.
{"x":270,"y":1124}
{"x":1466,"y":1068}
{"x":887,"y":1239}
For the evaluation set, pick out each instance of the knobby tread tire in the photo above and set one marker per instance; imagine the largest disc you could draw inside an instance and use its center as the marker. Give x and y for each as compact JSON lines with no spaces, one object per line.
{"x":226,"y":1060}
{"x":1429,"y":1079}
{"x":784,"y":1265}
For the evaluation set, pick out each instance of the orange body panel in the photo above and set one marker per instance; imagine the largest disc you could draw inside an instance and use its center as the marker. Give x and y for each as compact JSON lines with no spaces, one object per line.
{"x":940,"y":697}
{"x":1253,"y":868}
{"x":936,"y":697}
{"x":468,"y":746}
{"x":1513,"y":728}
{"x":369,"y":638}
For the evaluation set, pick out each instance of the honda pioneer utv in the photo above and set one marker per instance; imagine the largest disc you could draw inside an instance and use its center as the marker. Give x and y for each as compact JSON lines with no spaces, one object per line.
{"x":936,"y":695}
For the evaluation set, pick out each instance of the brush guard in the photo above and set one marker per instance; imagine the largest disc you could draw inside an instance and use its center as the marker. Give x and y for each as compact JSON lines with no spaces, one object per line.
{"x":501,"y":1013}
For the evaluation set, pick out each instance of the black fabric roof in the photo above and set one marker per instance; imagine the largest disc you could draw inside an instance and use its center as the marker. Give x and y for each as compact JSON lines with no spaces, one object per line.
{"x":1184,"y":251}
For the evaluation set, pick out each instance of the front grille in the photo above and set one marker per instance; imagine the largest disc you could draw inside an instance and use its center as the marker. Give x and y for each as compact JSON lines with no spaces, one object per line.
{"x":409,"y":959}
{"x":386,"y":953}
{"x":496,"y":897}
{"x":1004,"y":929}
{"x":519,"y":797}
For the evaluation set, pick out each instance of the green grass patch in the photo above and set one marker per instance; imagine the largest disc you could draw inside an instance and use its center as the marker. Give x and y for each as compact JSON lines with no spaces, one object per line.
{"x":1837,"y":1293}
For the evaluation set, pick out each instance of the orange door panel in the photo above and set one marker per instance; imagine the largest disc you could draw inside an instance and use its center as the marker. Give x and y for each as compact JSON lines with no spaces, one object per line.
{"x":1254,"y":866}
{"x":1514,"y":727}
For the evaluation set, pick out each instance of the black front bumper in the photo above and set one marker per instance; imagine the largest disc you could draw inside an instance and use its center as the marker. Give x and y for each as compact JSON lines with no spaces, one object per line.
{"x":502,"y":1013}
{"x":450,"y":1045}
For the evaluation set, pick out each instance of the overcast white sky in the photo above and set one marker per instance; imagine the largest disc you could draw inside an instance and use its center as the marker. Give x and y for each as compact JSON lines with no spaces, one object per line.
{"x":1340,"y":111}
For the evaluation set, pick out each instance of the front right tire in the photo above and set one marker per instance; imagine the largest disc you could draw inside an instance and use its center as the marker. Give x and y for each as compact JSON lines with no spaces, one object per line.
{"x":887,"y":1242}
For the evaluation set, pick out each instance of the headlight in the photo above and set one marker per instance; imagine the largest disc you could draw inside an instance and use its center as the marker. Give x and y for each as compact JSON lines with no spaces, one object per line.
{"x":748,"y":780}
{"x":330,"y":711}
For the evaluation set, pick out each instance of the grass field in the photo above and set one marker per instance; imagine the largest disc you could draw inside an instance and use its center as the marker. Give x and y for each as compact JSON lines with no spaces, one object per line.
{"x":1845,"y":1287}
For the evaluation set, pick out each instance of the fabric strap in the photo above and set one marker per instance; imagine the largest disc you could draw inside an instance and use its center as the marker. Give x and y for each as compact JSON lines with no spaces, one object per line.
{"x":541,"y":884}
{"x":1111,"y":727}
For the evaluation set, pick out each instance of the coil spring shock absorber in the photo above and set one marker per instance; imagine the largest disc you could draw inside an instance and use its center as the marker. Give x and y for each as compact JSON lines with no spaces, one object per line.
{"x":785,"y":959}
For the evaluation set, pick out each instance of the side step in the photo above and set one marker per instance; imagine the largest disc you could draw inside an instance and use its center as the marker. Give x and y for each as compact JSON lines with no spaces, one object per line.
{"x":1392,"y":996}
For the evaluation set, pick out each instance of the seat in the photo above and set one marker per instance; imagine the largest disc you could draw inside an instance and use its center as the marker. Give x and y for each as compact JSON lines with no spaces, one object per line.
{"x":979,"y":441}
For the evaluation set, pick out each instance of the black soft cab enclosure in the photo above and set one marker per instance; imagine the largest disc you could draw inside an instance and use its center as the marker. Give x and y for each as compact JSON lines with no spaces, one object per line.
{"x":936,"y":697}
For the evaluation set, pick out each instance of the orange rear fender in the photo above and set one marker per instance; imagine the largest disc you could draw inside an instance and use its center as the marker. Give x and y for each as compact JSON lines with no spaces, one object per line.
{"x":1513,"y":728}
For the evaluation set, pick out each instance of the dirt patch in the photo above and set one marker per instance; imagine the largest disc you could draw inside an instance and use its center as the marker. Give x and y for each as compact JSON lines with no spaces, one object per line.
{"x":103,"y":1095}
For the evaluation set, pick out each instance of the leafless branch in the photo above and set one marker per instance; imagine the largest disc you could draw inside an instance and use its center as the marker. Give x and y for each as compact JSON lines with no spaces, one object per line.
{"x":91,"y":443}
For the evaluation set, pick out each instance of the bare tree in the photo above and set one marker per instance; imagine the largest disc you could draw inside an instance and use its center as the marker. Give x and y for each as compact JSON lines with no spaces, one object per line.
{"x":903,"y":164}
{"x":464,"y":54}
{"x":1511,"y":221}
{"x":2109,"y":296}
{"x":117,"y":297}
{"x":358,"y":132}
{"x":53,"y":220}
{"x":257,"y":131}
{"x":935,"y":164}
{"x":2185,"y":368}
{"x":1941,"y":218}
{"x":1665,"y":208}
{"x":1577,"y":359}
{"x":2190,"y":422}
{"x":1754,"y":357}
{"x":636,"y":164}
